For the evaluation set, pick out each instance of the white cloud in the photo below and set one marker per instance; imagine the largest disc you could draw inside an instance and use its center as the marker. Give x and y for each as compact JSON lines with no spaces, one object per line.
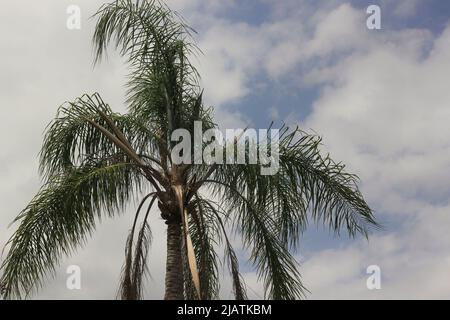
{"x":384,"y":111}
{"x":414,"y":263}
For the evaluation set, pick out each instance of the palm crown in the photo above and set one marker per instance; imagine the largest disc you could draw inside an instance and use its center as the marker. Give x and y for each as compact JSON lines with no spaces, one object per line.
{"x":95,"y":161}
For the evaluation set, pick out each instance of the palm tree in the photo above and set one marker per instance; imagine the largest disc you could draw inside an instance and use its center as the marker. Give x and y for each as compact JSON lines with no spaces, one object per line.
{"x":94,"y":161}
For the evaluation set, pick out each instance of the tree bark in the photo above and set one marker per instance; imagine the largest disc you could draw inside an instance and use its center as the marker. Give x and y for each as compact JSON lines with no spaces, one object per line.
{"x":174,"y":264}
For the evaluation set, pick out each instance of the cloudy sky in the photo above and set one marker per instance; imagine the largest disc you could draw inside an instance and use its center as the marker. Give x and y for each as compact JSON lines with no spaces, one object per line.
{"x":380,"y":99}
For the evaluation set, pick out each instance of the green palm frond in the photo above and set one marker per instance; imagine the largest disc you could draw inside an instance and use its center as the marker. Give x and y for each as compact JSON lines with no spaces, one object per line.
{"x":61,"y":217}
{"x":70,"y":137}
{"x":306,"y":184}
{"x":331,"y":194}
{"x":239,"y":287}
{"x":163,"y":84}
{"x":135,"y":266}
{"x":144,"y":31}
{"x":275,"y":265}
{"x":271,"y":211}
{"x":205,"y":237}
{"x":140,"y":263}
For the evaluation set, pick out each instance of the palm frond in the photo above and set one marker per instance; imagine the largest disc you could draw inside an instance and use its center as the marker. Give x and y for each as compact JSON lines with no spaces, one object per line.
{"x":306,"y":184}
{"x":272,"y":211}
{"x":239,"y":287}
{"x":205,"y":237}
{"x":61,"y":217}
{"x":140,"y":266}
{"x":163,"y":84}
{"x":329,"y":192}
{"x":275,"y":265}
{"x":71,"y":138}
{"x":135,"y":266}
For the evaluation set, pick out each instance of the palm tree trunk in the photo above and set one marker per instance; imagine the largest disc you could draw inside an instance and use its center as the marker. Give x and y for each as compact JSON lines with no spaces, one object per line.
{"x":174,"y":264}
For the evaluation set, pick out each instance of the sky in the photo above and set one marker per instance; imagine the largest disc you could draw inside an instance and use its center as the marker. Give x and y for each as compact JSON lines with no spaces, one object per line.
{"x":379,"y":98}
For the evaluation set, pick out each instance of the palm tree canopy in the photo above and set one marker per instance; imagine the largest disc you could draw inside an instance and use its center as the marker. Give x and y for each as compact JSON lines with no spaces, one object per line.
{"x":94,"y":161}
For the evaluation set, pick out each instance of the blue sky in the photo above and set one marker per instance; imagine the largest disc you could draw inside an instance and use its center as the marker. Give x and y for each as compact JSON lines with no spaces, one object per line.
{"x":289,"y":99}
{"x":432,"y":15}
{"x":379,"y":98}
